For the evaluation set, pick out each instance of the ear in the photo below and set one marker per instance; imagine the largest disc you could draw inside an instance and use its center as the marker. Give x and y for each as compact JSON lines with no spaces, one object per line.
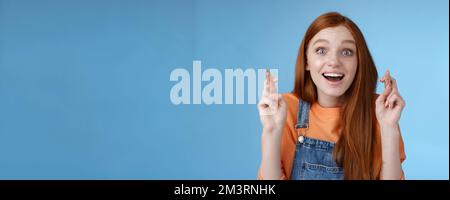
{"x":307,"y":67}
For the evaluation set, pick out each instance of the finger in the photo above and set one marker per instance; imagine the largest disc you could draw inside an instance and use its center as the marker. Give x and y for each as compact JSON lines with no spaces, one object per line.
{"x":266,"y":90}
{"x":392,"y":100}
{"x":387,"y":98}
{"x":384,"y":77}
{"x":401,"y":102}
{"x":268,"y":106}
{"x":273,"y":91}
{"x":382,"y":98}
{"x":392,"y":92}
{"x":387,"y":103}
{"x":398,"y":99}
{"x":394,"y":89}
{"x":388,"y":78}
{"x":394,"y":85}
{"x":265,"y":102}
{"x":269,"y":84}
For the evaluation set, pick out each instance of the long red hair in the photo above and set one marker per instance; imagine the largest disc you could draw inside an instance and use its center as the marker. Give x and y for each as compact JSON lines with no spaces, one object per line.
{"x":358,"y":149}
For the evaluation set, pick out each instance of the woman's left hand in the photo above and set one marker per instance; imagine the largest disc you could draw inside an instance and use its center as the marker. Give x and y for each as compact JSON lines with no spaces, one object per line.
{"x":389,"y":104}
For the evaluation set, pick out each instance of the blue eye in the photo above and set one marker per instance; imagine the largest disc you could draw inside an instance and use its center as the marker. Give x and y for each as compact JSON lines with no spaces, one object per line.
{"x":347,"y":52}
{"x":320,"y":51}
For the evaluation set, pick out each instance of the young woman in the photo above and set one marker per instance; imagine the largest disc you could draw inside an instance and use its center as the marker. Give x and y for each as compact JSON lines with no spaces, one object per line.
{"x":332,"y":125}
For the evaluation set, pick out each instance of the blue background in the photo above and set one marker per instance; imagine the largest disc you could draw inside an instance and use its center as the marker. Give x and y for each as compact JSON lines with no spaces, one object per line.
{"x":84,"y":85}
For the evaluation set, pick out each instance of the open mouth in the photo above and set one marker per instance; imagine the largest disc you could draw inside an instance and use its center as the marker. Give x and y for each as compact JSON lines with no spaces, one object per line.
{"x":333,"y":76}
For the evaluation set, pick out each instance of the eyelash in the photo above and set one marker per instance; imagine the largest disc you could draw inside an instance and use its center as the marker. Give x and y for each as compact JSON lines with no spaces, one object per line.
{"x":320,"y":49}
{"x":343,"y":52}
{"x":349,"y":50}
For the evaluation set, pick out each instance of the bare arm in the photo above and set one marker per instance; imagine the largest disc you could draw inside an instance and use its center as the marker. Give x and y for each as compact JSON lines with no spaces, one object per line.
{"x":391,"y":168}
{"x":272,"y":111}
{"x":389,"y":106}
{"x":271,"y":160}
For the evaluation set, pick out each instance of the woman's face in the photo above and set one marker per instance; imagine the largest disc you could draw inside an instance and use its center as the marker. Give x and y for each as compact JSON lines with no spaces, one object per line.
{"x":332,"y":61}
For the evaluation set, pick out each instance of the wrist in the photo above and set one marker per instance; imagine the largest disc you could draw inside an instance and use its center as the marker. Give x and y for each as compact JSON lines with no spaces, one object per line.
{"x":390,"y":129}
{"x":389,"y":125}
{"x":390,"y":139}
{"x":272,"y":130}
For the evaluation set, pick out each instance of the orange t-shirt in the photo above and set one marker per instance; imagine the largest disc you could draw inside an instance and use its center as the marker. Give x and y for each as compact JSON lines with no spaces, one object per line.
{"x":323,"y":125}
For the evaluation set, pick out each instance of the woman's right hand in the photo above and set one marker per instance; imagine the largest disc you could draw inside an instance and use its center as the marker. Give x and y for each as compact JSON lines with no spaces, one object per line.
{"x":272,"y":108}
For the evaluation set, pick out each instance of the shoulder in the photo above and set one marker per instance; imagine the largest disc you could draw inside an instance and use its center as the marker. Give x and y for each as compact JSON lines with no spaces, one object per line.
{"x":292,"y":108}
{"x":290,"y":99}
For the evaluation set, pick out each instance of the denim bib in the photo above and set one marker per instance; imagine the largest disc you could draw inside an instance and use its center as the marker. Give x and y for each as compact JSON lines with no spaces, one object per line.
{"x":313,"y":158}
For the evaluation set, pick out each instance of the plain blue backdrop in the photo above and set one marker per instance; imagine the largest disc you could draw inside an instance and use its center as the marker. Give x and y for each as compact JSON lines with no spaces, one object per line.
{"x":84,"y":85}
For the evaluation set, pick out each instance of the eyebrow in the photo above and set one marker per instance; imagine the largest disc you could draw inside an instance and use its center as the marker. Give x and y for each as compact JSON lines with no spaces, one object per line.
{"x":348,"y":41}
{"x":344,"y":41}
{"x":320,"y":40}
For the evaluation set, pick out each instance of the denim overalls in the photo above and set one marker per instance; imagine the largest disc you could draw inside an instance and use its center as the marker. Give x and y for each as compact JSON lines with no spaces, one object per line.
{"x":313,"y":158}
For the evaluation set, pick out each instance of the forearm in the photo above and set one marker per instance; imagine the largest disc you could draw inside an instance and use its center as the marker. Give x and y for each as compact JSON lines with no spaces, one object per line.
{"x":391,"y":168}
{"x":271,"y":160}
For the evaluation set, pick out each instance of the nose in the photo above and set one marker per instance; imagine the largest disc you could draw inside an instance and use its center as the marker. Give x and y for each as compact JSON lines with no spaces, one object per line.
{"x":332,"y":60}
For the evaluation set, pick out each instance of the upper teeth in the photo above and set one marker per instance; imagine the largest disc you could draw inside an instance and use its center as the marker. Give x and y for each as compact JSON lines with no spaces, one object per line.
{"x":333,"y":74}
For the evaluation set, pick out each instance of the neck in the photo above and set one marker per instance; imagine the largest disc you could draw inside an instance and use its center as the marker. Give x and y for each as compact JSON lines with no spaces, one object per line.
{"x":328,"y":101}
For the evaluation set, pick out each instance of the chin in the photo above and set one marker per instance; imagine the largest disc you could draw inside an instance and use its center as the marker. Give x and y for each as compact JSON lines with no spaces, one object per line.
{"x":334,"y":92}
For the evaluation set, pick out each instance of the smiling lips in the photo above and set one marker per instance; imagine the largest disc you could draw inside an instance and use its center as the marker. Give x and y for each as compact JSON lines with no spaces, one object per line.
{"x":333,"y":77}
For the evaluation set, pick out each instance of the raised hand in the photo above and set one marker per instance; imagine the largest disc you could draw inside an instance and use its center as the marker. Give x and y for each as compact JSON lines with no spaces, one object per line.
{"x":272,"y":107}
{"x":389,"y":105}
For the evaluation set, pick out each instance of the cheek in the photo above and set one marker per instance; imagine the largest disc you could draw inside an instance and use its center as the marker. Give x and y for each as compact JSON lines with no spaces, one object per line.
{"x":354,"y":68}
{"x":351,"y":66}
{"x":315,"y":64}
